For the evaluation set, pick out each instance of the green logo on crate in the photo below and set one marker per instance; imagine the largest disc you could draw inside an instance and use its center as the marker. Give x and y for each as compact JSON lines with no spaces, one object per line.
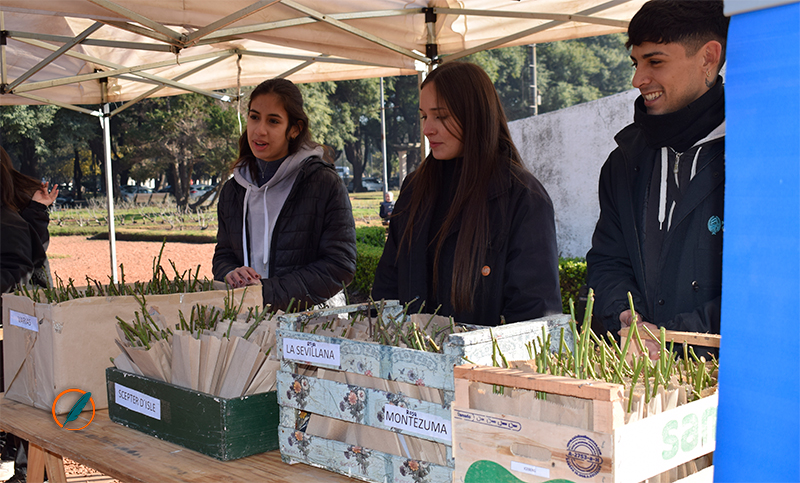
{"x":692,"y":430}
{"x":482,"y":471}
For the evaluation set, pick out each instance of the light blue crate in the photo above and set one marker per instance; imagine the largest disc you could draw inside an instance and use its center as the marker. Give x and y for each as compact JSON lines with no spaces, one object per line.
{"x":432,"y":370}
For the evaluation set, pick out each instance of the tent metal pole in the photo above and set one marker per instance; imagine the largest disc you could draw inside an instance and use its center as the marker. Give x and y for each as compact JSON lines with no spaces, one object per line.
{"x":383,"y":143}
{"x":3,"y":34}
{"x":424,"y":145}
{"x":112,"y":238}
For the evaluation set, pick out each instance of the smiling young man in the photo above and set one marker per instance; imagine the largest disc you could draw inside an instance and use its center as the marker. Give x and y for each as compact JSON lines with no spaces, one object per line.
{"x":661,"y":191}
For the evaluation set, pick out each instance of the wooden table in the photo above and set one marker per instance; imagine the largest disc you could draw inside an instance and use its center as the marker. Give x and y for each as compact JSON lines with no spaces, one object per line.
{"x":131,"y":456}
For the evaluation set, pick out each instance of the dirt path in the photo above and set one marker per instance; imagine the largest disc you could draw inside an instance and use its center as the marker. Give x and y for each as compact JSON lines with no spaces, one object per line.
{"x":76,"y":257}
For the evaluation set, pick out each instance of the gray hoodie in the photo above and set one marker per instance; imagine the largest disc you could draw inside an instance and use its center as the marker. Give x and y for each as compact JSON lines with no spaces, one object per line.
{"x":262,"y":205}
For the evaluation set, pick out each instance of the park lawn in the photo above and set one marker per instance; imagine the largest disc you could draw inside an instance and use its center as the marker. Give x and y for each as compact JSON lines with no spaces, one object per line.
{"x":157,"y":223}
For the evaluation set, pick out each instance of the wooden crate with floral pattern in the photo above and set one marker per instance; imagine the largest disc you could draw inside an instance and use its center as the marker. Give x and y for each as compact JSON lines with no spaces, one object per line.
{"x":382,"y":396}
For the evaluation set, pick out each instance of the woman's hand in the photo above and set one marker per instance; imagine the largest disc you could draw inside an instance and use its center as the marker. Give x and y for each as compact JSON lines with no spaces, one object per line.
{"x":242,"y":276}
{"x":45,"y":197}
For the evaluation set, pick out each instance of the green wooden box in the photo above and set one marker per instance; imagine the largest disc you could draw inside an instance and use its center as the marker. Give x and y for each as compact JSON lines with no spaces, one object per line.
{"x":225,"y":429}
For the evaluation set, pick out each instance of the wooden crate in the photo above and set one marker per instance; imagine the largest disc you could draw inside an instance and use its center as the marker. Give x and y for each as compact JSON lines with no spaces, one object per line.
{"x":491,"y":446}
{"x":225,"y":429}
{"x":300,"y":395}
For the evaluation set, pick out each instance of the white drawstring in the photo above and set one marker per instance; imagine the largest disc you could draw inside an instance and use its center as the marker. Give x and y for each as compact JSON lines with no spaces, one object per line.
{"x":244,"y":228}
{"x":694,"y":163}
{"x":266,"y":228}
{"x":662,"y":202}
{"x":671,"y":210}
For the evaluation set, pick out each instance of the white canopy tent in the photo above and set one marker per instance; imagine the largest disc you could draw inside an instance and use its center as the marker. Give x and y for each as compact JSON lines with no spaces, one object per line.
{"x":78,"y":53}
{"x":55,"y":51}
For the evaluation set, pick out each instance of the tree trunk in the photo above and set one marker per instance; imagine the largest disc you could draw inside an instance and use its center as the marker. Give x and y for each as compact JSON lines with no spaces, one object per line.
{"x":77,"y":176}
{"x":177,"y":185}
{"x":29,"y":160}
{"x":356,"y":158}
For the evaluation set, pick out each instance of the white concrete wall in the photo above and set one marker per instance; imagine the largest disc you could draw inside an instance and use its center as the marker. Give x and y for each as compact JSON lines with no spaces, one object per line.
{"x":565,"y":150}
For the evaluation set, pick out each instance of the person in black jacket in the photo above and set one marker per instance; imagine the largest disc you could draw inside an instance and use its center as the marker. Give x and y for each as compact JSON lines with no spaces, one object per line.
{"x":386,"y":207}
{"x":472,"y":233}
{"x":285,"y":219}
{"x":659,"y":235}
{"x":23,"y":252}
{"x":24,"y":201}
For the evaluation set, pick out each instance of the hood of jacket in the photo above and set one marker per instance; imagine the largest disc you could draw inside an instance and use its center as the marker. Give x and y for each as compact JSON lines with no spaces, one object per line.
{"x":263,"y":204}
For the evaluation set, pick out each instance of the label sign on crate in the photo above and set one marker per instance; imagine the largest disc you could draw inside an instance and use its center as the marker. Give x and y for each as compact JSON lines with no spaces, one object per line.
{"x":530,"y":469}
{"x":312,"y":352}
{"x":417,"y":422}
{"x":23,"y":321}
{"x":137,"y":401}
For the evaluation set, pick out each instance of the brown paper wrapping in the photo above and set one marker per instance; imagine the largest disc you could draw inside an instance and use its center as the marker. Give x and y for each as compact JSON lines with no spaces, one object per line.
{"x":76,"y":341}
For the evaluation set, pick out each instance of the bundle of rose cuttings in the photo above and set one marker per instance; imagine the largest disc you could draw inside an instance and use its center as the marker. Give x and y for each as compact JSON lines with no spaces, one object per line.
{"x":223,"y":351}
{"x":397,"y":328}
{"x":159,"y":284}
{"x":652,"y":382}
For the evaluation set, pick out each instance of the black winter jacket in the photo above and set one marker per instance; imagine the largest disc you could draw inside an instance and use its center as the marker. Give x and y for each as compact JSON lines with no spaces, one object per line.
{"x":522,"y":261}
{"x":313,"y":248}
{"x":23,"y":247}
{"x":688,"y":289}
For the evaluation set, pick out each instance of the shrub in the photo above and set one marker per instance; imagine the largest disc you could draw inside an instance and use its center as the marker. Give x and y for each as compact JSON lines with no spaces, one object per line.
{"x":371,"y":235}
{"x":366,"y":265}
{"x":571,"y":271}
{"x":572,"y":275}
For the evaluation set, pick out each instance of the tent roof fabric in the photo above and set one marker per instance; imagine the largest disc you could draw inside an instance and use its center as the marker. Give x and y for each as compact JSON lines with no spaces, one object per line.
{"x":59,"y":51}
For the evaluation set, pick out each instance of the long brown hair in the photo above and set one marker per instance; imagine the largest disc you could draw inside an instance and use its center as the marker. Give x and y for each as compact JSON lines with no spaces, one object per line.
{"x":16,"y":189}
{"x":471,"y":99}
{"x":292,"y":100}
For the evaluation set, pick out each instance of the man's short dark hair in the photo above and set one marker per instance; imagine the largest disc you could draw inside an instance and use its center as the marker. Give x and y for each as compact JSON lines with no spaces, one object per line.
{"x":691,"y":23}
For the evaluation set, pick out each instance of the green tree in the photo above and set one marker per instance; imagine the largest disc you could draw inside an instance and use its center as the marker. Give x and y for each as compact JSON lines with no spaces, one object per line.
{"x":321,"y":114}
{"x":177,"y":135}
{"x":402,"y":121}
{"x":581,"y":70}
{"x":345,"y":115}
{"x":568,"y":72}
{"x":74,"y":140}
{"x":22,"y":135}
{"x":507,"y":69}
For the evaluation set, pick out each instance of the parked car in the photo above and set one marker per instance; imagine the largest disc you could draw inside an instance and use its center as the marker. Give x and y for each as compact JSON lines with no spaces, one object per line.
{"x":343,"y":172}
{"x":128,"y":192}
{"x":198,"y":190}
{"x":64,"y":200}
{"x":369,"y":184}
{"x":372,"y":184}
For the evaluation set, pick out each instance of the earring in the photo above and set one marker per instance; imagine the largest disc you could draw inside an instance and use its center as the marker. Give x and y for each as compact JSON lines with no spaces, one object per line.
{"x":708,"y":73}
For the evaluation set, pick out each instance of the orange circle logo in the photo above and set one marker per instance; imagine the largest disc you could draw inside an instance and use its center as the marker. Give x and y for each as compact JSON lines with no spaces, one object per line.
{"x":76,"y":409}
